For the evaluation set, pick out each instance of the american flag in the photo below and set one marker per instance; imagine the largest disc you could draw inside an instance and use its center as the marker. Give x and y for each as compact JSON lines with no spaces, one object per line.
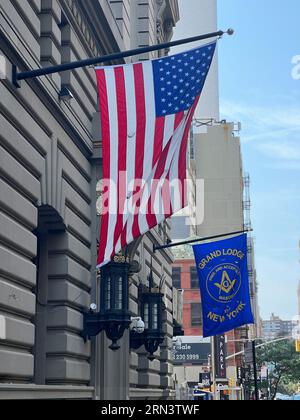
{"x":146,"y":112}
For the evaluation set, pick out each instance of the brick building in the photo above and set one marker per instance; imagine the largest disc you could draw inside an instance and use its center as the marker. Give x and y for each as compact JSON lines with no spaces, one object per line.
{"x":185,"y":277}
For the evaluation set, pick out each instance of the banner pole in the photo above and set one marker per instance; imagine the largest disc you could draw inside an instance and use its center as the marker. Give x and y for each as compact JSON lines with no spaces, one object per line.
{"x":255,"y":371}
{"x":18,"y":76}
{"x":194,"y":241}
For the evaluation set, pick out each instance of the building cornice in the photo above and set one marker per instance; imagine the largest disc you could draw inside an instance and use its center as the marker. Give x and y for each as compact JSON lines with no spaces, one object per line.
{"x":173,"y":6}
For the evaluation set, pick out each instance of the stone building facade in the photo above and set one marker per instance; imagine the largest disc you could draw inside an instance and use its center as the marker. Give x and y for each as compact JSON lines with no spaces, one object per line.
{"x":50,"y":162}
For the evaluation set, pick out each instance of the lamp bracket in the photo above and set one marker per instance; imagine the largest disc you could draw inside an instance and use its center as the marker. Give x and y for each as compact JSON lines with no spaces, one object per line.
{"x":150,"y":339}
{"x":114,"y":326}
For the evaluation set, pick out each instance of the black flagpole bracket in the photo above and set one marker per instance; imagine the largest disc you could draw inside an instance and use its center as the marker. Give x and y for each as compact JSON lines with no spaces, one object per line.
{"x":18,"y":76}
{"x":15,"y":73}
{"x":194,"y":241}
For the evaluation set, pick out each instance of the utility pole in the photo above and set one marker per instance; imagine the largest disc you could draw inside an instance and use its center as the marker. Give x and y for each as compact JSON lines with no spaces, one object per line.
{"x":255,"y":371}
{"x":213,"y":365}
{"x":269,"y":387}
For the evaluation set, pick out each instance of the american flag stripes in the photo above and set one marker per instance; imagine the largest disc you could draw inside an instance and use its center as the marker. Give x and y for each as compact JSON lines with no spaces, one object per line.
{"x":146,"y":112}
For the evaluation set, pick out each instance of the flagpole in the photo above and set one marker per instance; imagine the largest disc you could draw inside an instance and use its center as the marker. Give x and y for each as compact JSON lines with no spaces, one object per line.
{"x":194,"y":241}
{"x":18,"y":76}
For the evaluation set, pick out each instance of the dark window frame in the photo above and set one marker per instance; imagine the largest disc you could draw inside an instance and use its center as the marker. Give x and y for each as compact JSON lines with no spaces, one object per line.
{"x":196,"y":314}
{"x":194,"y":278}
{"x":176,"y":279}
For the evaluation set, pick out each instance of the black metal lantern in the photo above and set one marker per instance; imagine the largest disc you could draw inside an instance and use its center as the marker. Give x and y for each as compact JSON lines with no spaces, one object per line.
{"x":151,"y":310}
{"x":114,"y":316}
{"x":177,"y":329}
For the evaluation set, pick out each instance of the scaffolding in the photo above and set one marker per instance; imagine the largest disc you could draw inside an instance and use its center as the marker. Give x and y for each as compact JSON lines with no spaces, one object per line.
{"x":247,"y":203}
{"x":210,"y":122}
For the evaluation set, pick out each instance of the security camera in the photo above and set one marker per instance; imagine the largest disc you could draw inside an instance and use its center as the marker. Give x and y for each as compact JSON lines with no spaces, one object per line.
{"x":137,"y":325}
{"x":93,"y":307}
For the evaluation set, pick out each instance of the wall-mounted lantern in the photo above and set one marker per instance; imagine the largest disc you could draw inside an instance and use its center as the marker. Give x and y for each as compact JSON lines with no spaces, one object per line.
{"x":114,"y":316}
{"x":151,"y":312}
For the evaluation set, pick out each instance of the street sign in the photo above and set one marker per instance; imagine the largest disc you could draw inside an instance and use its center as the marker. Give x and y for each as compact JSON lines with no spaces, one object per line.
{"x":205,"y":379}
{"x":220,"y":356}
{"x":240,"y":374}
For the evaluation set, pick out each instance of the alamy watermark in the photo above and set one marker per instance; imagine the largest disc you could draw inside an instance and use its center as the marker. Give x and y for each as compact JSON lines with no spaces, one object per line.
{"x":296,"y":67}
{"x":156,"y":197}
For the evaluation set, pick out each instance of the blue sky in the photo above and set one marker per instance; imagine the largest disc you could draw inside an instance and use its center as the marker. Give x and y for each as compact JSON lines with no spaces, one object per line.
{"x":257,"y":89}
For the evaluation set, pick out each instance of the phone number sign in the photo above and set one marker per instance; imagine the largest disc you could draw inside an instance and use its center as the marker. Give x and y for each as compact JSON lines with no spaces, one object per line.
{"x":191,"y":353}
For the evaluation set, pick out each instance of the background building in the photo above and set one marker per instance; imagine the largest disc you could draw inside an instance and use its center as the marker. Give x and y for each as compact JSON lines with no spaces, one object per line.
{"x":207,"y":20}
{"x":276,"y":327}
{"x":219,"y":164}
{"x":50,"y":162}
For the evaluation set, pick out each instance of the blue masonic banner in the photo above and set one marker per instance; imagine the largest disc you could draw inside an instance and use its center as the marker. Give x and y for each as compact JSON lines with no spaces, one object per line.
{"x":224,"y":285}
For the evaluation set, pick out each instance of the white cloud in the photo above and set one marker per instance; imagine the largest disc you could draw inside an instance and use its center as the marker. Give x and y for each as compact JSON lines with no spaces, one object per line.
{"x":273,"y":131}
{"x":281,"y":150}
{"x":263,"y":121}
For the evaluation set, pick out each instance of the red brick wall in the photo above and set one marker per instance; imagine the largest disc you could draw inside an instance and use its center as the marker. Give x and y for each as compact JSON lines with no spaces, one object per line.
{"x":189,"y":296}
{"x":193,"y":296}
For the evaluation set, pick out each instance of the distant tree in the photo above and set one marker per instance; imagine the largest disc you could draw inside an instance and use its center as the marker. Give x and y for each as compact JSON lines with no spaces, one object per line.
{"x":284,"y":364}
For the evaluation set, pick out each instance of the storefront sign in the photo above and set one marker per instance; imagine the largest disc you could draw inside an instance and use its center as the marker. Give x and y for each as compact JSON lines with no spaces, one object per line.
{"x":191,"y":353}
{"x":220,"y":356}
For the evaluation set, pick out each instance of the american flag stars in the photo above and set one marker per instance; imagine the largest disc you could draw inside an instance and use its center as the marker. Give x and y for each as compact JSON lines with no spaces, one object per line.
{"x":180,"y":78}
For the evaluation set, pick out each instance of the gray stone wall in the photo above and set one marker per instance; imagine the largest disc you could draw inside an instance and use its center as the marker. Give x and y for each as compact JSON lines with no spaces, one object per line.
{"x":45,"y":192}
{"x":49,"y":161}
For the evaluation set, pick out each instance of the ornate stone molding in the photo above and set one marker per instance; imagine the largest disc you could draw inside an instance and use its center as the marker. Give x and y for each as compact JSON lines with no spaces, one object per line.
{"x":82,"y":25}
{"x":183,"y":252}
{"x":167,"y":17}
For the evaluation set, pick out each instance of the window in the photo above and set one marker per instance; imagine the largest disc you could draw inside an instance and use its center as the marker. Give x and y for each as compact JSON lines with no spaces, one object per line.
{"x":194,"y":278}
{"x":192,"y":145}
{"x":196,"y":314}
{"x":176,"y":277}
